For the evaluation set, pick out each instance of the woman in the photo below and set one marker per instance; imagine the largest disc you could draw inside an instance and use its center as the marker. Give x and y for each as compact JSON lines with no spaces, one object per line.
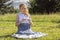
{"x":24,"y":22}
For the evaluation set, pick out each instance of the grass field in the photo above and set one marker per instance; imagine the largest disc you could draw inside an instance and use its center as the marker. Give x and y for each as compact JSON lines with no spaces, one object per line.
{"x":41,"y":23}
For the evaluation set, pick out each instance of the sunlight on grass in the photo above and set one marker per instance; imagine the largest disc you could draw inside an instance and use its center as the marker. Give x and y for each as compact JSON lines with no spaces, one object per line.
{"x":41,"y":23}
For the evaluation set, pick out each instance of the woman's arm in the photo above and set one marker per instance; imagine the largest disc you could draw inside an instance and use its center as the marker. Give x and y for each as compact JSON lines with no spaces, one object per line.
{"x":17,"y":20}
{"x":30,"y":20}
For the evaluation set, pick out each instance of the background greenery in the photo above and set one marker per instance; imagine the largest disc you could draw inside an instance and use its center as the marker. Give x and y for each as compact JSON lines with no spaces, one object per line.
{"x":43,"y":6}
{"x":45,"y":23}
{"x":37,"y":6}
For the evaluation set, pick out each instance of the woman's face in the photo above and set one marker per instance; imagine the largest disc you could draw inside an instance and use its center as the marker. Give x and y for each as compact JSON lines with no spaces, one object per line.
{"x":24,"y":9}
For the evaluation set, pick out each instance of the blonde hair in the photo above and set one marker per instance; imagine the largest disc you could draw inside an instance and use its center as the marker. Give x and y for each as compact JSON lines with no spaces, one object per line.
{"x":26,"y":9}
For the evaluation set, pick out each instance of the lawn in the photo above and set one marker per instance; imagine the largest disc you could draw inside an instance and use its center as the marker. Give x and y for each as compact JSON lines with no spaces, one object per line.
{"x":41,"y":23}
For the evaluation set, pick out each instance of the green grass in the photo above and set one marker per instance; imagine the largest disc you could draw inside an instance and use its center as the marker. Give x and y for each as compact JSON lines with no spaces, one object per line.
{"x":41,"y":23}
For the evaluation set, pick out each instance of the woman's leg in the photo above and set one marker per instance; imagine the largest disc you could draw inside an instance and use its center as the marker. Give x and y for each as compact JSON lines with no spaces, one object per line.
{"x":18,"y":31}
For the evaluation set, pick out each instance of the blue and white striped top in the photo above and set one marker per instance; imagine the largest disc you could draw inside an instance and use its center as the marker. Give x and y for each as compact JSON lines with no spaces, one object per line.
{"x":22,"y":16}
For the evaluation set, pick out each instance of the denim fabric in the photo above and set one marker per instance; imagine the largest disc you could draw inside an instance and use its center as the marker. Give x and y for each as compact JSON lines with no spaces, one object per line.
{"x":24,"y":28}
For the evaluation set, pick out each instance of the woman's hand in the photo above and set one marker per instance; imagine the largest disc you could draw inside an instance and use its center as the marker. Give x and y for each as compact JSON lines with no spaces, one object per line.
{"x":30,"y":21}
{"x":22,"y":20}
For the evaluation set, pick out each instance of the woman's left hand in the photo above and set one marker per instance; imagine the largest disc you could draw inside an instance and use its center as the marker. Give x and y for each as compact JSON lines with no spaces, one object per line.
{"x":30,"y":22}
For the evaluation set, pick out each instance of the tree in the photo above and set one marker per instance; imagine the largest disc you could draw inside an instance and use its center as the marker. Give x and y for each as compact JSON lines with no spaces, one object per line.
{"x":48,"y":6}
{"x":39,"y":5}
{"x":5,"y":6}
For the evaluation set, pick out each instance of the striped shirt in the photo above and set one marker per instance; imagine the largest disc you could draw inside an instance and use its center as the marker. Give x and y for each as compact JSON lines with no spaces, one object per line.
{"x":23,"y":16}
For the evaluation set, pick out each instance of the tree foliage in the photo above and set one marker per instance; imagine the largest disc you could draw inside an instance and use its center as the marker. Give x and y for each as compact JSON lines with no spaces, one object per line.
{"x":48,"y":6}
{"x":5,"y":6}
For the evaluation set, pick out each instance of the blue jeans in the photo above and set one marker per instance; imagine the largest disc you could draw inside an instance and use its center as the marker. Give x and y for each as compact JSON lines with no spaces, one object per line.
{"x":23,"y":27}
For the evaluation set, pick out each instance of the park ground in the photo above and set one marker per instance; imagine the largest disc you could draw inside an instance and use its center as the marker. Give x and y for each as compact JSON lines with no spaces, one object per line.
{"x":49,"y":24}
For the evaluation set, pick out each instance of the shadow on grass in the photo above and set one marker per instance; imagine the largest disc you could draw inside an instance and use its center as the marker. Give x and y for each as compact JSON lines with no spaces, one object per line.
{"x":10,"y":37}
{"x":14,"y":38}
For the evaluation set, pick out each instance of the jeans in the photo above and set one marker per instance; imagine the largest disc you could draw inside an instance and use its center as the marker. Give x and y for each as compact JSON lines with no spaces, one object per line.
{"x":24,"y":28}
